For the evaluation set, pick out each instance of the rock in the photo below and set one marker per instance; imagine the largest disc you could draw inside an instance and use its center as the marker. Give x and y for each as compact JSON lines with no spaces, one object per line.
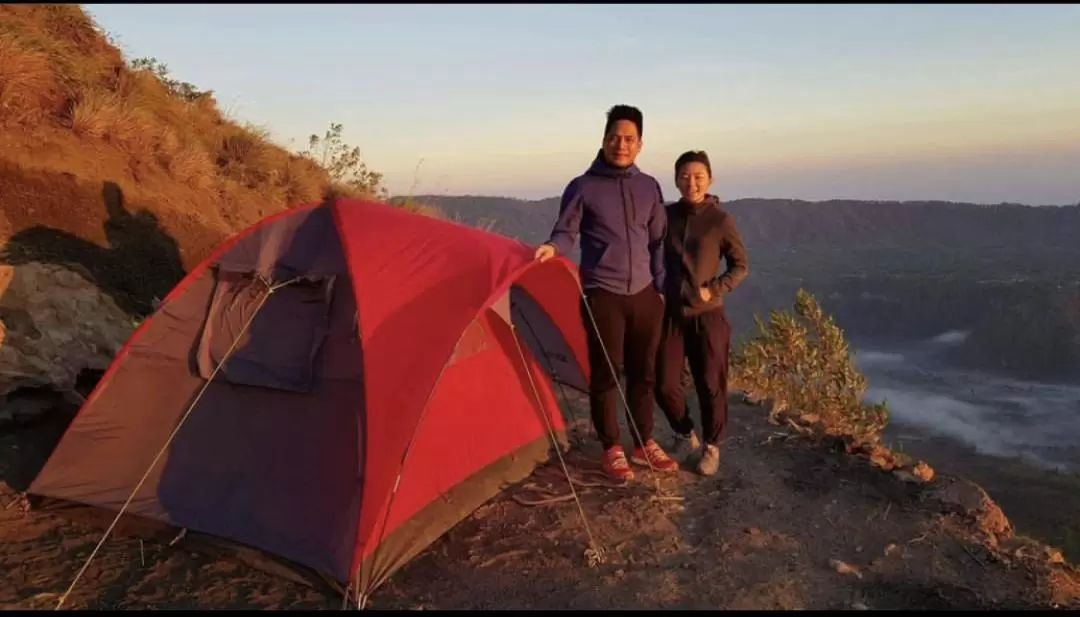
{"x":753,"y":397}
{"x":906,"y":476}
{"x":970,"y":500}
{"x":851,"y":446}
{"x":1054,"y":556}
{"x":53,"y":325}
{"x":1032,"y":551}
{"x":918,"y":474}
{"x":844,"y":568}
{"x":923,"y":472}
{"x":882,"y":457}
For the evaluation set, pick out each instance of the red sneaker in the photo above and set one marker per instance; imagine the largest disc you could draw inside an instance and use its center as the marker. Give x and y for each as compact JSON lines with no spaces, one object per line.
{"x":615,"y":464}
{"x":655,"y":455}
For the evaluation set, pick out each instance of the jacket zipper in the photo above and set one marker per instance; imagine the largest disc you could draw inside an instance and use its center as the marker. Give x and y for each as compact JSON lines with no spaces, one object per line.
{"x":686,"y":233}
{"x":629,"y":244}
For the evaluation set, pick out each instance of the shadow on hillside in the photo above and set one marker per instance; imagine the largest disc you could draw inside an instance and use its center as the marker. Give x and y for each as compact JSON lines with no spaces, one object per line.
{"x":141,"y":263}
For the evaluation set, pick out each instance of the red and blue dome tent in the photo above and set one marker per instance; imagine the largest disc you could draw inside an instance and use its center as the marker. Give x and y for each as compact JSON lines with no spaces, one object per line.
{"x":337,"y":385}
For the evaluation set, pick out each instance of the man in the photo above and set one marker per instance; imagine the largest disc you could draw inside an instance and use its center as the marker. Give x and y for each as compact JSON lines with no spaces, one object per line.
{"x":695,"y":325}
{"x":619,"y":213}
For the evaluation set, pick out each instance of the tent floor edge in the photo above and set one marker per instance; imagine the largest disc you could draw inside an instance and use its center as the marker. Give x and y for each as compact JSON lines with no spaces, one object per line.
{"x":263,"y":561}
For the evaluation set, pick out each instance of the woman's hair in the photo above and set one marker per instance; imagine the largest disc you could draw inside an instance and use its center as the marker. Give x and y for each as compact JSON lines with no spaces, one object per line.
{"x":693,"y":156}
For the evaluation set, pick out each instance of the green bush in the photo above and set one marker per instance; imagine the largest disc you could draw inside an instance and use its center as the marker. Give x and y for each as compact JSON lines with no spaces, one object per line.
{"x":801,"y":363}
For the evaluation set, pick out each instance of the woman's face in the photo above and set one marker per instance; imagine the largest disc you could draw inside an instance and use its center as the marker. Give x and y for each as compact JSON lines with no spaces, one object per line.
{"x":693,"y":180}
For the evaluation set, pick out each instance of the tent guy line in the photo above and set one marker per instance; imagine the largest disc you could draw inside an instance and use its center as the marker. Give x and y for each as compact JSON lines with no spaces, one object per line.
{"x":594,"y":553}
{"x":270,"y":288}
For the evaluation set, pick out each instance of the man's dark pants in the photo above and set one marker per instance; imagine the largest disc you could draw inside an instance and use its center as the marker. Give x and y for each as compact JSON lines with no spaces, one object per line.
{"x":705,"y":341}
{"x":629,"y":327}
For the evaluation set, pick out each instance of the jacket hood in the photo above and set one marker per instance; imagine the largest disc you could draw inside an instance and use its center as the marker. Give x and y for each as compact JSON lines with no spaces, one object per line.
{"x":600,"y":167}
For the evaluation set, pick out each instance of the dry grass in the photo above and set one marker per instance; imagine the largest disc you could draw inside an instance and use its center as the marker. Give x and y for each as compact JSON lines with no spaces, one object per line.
{"x":65,"y":88}
{"x":29,"y":89}
{"x":426,"y":210}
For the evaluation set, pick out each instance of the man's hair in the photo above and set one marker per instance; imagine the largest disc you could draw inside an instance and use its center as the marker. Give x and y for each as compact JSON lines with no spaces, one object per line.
{"x":624,"y":112}
{"x":693,"y":156}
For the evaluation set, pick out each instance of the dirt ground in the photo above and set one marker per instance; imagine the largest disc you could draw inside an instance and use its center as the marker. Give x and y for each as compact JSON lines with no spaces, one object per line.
{"x":784,"y":525}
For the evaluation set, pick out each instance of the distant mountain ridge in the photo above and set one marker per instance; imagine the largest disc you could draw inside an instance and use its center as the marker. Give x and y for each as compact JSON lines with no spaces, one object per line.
{"x":791,"y":224}
{"x":891,"y":272}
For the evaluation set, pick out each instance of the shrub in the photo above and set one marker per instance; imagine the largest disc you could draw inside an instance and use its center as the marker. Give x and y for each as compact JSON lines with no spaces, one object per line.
{"x":348,"y":172}
{"x":800,"y":362}
{"x":180,"y":89}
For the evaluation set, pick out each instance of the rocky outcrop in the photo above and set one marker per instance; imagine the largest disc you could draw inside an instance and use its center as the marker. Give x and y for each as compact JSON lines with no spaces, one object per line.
{"x":968,"y":499}
{"x":985,"y":524}
{"x":53,"y":325}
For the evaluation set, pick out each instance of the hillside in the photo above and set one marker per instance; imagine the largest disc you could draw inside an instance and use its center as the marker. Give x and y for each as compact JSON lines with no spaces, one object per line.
{"x":98,"y":151}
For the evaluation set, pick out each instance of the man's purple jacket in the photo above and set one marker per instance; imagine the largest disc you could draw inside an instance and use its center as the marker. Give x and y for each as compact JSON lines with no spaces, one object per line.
{"x":619,"y":214}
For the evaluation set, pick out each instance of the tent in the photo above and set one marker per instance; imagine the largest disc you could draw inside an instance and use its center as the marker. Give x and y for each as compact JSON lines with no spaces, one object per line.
{"x":337,"y":385}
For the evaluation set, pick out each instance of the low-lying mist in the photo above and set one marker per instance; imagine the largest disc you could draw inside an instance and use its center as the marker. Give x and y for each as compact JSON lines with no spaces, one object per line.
{"x":1034,"y":421}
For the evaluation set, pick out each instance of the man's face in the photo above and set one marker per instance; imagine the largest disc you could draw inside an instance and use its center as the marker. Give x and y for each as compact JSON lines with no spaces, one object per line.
{"x":622,"y":144}
{"x":693,"y":180}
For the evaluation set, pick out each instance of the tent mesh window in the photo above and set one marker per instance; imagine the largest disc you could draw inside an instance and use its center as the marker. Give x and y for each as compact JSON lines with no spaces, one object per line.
{"x":279,"y":347}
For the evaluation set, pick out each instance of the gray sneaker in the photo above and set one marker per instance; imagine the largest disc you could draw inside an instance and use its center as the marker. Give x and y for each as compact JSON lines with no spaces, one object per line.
{"x":685,"y":445}
{"x":709,"y":463}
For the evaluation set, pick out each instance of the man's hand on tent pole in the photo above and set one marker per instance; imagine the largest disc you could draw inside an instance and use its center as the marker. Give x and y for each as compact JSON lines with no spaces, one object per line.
{"x":544,"y":252}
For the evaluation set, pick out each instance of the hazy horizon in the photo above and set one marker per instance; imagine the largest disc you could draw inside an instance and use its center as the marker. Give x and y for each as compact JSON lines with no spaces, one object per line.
{"x":965,"y":103}
{"x":673,"y":195}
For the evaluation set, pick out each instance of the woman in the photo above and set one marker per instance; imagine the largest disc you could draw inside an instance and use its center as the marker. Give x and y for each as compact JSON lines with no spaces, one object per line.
{"x":695,"y":326}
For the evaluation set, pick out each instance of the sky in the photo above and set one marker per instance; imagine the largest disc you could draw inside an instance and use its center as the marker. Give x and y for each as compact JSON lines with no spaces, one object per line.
{"x":970,"y":102}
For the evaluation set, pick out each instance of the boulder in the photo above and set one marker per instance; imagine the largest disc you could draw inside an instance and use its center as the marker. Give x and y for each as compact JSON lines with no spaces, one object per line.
{"x":53,"y":325}
{"x":970,"y":500}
